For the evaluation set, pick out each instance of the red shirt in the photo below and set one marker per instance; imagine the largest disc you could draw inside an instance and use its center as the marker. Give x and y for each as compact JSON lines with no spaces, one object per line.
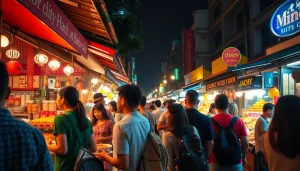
{"x":239,"y":129}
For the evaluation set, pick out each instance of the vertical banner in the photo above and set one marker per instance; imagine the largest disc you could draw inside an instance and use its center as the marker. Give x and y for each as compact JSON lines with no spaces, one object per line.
{"x":268,"y":79}
{"x":30,"y":66}
{"x":189,"y":51}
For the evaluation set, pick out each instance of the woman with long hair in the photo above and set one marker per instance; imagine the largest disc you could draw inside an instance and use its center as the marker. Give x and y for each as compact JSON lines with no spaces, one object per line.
{"x":103,"y":128}
{"x":178,"y":126}
{"x":281,"y":143}
{"x":233,"y":109}
{"x":112,"y":106}
{"x":212,"y":110}
{"x":67,"y":143}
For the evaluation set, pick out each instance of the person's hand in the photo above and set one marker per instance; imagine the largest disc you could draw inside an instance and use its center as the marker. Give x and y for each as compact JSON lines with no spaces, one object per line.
{"x":100,"y":140}
{"x":101,"y":155}
{"x":244,"y":161}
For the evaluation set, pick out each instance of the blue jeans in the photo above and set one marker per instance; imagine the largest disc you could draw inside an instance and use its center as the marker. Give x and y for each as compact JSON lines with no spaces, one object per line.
{"x":216,"y":167}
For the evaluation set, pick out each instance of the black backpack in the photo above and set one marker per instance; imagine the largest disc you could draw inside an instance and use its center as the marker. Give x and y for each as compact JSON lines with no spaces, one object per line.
{"x":227,"y":147}
{"x":191,"y":152}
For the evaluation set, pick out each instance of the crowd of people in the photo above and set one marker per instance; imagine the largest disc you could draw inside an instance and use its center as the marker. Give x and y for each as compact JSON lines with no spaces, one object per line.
{"x":126,"y":124}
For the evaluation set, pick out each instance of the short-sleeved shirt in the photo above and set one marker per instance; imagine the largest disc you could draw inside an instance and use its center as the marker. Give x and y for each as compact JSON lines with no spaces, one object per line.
{"x":104,"y":130}
{"x":261,"y":126}
{"x":239,"y":129}
{"x":157,"y":112}
{"x":22,"y":147}
{"x":129,"y":137}
{"x":63,"y":126}
{"x":202,"y":123}
{"x":151,"y":117}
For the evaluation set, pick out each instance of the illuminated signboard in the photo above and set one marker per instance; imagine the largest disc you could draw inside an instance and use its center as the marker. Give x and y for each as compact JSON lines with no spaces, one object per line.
{"x":176,"y":73}
{"x":286,"y":19}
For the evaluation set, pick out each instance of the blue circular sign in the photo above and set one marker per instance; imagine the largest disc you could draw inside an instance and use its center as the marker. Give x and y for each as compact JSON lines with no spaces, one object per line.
{"x":286,"y":19}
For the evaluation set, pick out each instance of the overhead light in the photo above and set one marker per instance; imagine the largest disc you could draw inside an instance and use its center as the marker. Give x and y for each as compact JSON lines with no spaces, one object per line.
{"x":293,"y":64}
{"x":54,"y":64}
{"x":94,"y":81}
{"x":239,"y":94}
{"x":68,"y":70}
{"x":12,"y":53}
{"x":4,"y":41}
{"x":84,"y":91}
{"x":41,"y":58}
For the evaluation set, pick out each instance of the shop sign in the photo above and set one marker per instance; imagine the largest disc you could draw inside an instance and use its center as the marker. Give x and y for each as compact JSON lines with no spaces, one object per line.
{"x":250,"y":83}
{"x":218,"y":66}
{"x":189,"y":51}
{"x":231,"y":56}
{"x":111,"y":77}
{"x":286,"y":19}
{"x":176,"y":74}
{"x":48,"y":12}
{"x":268,"y":79}
{"x":221,"y":83}
{"x":117,"y":62}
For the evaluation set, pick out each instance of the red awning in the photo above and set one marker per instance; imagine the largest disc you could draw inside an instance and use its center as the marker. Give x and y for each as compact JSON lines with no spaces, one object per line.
{"x":18,"y":15}
{"x":105,"y":56}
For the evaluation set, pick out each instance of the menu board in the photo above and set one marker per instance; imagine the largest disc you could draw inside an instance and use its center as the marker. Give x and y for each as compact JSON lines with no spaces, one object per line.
{"x":20,"y":82}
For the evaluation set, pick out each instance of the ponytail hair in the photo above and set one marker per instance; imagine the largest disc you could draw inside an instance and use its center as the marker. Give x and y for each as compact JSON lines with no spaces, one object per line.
{"x":71,"y":96}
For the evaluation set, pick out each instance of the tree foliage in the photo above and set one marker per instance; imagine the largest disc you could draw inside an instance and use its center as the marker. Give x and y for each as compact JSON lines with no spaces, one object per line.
{"x":128,"y":28}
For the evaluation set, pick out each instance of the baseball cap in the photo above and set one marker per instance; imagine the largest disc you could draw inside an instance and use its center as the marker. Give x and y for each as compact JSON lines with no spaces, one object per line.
{"x":98,"y":96}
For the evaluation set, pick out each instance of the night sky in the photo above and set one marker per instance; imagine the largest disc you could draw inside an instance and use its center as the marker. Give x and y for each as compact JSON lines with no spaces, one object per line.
{"x":163,"y":22}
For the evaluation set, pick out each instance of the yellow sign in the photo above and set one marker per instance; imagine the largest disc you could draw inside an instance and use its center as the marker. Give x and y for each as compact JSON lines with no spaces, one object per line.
{"x":218,"y":65}
{"x":196,"y":75}
{"x":246,"y":82}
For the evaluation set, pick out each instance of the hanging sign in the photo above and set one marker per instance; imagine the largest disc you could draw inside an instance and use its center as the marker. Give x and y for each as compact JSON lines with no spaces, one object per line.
{"x":231,"y":56}
{"x":49,"y":13}
{"x":250,"y":83}
{"x":286,"y":19}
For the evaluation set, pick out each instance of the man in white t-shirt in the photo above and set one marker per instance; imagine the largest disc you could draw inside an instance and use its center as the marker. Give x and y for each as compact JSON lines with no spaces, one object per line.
{"x":261,"y":126}
{"x":158,"y":111}
{"x":129,"y":134}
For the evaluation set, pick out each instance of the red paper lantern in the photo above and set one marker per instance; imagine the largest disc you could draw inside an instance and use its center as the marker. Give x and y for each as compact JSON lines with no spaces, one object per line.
{"x":13,"y":67}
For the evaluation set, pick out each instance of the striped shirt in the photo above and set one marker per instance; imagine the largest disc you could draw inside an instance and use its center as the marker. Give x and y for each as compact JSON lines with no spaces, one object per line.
{"x":22,"y":147}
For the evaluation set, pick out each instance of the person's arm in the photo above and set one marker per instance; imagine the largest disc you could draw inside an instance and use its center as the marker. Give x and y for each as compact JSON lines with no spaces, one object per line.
{"x":244,"y":145}
{"x":121,"y":162}
{"x":121,"y":147}
{"x":61,"y":146}
{"x":263,"y":127}
{"x":92,"y":144}
{"x":161,"y":126}
{"x":209,"y":147}
{"x":209,"y":138}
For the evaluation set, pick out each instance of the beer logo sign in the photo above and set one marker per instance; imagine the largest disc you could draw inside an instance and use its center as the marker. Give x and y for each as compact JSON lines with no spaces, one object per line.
{"x":286,"y":19}
{"x":231,"y":56}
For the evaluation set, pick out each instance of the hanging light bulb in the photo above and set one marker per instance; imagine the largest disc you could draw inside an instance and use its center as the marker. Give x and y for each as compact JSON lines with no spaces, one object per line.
{"x":12,"y":53}
{"x":106,"y":89}
{"x":54,"y":64}
{"x":41,"y":58}
{"x":4,"y":41}
{"x":239,"y":94}
{"x":84,"y":91}
{"x":94,"y":81}
{"x":68,"y":70}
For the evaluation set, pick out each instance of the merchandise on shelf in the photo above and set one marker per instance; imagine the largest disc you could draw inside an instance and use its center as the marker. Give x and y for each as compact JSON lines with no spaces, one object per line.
{"x":257,"y":106}
{"x":46,"y":122}
{"x":204,"y":108}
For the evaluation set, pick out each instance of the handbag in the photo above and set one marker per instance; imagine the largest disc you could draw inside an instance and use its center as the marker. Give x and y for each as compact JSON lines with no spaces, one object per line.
{"x":85,"y":160}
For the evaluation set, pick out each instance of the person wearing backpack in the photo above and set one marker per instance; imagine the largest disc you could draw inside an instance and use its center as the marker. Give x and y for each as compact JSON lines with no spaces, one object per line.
{"x":130,"y":134}
{"x":182,"y":141}
{"x":228,"y":153}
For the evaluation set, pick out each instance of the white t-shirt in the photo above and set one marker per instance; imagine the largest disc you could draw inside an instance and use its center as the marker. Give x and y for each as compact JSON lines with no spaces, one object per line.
{"x":261,"y":126}
{"x":158,"y":112}
{"x":129,"y":137}
{"x":118,"y":117}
